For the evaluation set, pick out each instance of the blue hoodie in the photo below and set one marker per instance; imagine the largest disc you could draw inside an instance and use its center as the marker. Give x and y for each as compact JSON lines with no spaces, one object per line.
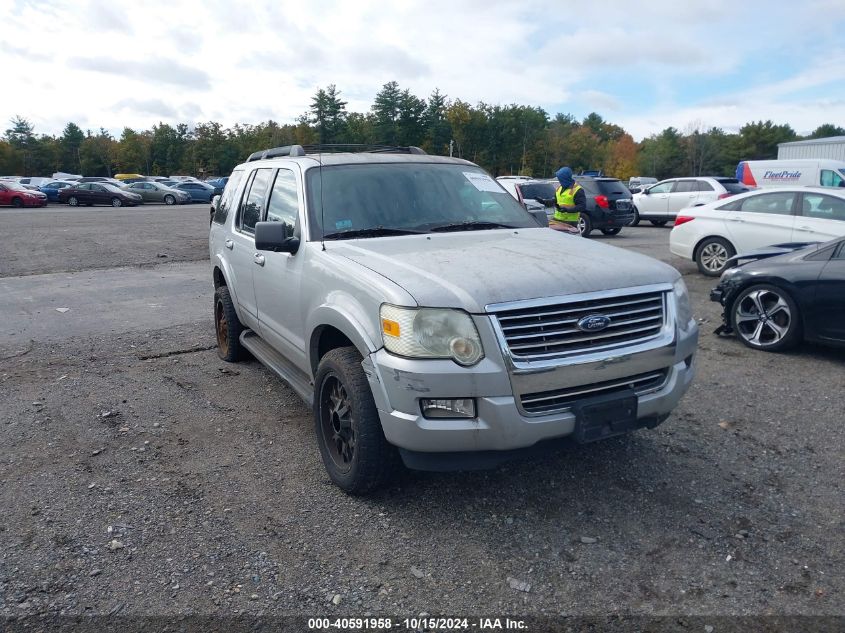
{"x":564,"y":177}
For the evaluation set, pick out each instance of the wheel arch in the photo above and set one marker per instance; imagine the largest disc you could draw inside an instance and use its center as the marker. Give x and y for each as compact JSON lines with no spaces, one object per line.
{"x":334,"y":328}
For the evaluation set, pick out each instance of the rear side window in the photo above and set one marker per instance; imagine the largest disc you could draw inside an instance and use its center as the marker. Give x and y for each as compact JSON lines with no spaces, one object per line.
{"x":703,"y":185}
{"x":284,"y":202}
{"x":817,"y":205}
{"x":226,"y":199}
{"x":253,"y":201}
{"x":779,"y":203}
{"x":608,"y":187}
{"x":685,"y":186}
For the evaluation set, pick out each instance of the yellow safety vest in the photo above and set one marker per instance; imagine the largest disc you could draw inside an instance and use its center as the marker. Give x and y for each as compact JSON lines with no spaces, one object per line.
{"x":566,"y":198}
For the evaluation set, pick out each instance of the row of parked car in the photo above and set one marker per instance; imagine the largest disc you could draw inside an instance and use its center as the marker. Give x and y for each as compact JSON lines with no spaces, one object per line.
{"x":131,"y":190}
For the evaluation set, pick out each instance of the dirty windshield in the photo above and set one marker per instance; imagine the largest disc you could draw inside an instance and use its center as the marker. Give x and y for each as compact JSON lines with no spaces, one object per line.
{"x":398,"y":198}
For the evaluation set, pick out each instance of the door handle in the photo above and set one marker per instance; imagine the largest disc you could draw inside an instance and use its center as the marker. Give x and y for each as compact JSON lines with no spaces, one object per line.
{"x":805,"y":228}
{"x":229,"y":244}
{"x":735,"y":220}
{"x":258,"y":258}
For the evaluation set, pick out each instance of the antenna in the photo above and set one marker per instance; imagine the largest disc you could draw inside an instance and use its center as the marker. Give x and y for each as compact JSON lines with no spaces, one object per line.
{"x":322,"y":213}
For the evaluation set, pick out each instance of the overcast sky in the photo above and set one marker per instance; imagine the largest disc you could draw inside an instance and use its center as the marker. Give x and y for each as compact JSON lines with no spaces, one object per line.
{"x":714,"y":63}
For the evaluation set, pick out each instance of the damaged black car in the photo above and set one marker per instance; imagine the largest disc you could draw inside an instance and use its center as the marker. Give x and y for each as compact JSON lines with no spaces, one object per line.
{"x":777,"y":297}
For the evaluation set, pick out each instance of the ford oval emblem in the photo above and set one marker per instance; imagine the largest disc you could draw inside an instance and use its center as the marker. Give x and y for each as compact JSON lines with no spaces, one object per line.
{"x":593,"y":323}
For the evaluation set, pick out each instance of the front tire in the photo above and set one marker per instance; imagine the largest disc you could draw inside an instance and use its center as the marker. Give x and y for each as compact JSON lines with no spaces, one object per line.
{"x":227,"y":327}
{"x":17,"y":203}
{"x":169,"y":200}
{"x":355,"y":453}
{"x":73,"y":201}
{"x":612,"y":231}
{"x":116,"y":202}
{"x":585,"y":225}
{"x":712,"y":256}
{"x":765,"y":317}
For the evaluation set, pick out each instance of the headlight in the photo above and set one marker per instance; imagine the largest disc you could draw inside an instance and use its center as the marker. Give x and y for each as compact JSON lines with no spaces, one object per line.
{"x":430,"y":333}
{"x":682,"y":303}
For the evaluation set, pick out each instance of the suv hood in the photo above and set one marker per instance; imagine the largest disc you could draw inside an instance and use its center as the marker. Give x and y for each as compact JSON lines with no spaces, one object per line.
{"x":472,"y":269}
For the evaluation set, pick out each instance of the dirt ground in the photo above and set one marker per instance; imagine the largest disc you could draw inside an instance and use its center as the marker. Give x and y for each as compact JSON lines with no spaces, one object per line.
{"x":141,"y":475}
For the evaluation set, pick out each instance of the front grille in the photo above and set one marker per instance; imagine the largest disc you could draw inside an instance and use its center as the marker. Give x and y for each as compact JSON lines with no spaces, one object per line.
{"x":551,"y":330}
{"x":559,"y":400}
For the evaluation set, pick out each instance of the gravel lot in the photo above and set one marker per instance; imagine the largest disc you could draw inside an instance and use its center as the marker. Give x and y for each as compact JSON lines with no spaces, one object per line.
{"x":141,"y":475}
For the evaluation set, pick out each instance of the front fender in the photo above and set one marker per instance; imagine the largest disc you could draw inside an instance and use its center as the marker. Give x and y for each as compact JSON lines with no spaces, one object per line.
{"x":344,"y":313}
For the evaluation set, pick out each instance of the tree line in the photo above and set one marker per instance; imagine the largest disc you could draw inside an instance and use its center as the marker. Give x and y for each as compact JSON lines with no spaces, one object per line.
{"x":504,"y":139}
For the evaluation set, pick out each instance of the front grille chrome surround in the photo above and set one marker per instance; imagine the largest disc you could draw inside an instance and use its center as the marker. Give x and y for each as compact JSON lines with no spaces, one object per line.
{"x":545,"y":330}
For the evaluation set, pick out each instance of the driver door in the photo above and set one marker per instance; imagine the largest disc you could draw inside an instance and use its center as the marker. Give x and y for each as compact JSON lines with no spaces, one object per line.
{"x":654,"y":201}
{"x":278,"y":281}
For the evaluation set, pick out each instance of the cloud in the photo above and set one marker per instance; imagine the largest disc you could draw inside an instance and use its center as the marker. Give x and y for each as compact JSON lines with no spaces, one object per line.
{"x":23,"y":53}
{"x":156,"y":107}
{"x":599,"y":100}
{"x":154,"y":70}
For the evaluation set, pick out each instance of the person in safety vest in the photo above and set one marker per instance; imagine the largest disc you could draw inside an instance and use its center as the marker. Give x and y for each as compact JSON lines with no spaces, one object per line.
{"x":570,"y":202}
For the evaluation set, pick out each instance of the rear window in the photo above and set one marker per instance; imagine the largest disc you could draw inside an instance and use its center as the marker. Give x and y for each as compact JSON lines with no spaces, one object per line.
{"x":612,"y":186}
{"x":538,"y":191}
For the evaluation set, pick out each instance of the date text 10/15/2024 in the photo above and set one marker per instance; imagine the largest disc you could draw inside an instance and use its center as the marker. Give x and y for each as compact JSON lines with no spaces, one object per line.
{"x":415,"y":624}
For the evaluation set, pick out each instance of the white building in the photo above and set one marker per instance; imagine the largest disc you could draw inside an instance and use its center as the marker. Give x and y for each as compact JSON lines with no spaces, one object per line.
{"x":832,"y":147}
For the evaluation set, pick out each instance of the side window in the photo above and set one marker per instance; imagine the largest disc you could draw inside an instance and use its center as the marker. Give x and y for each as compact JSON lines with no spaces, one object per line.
{"x":831,"y":179}
{"x":227,"y":199}
{"x":685,"y":186}
{"x":817,"y":205}
{"x":773,"y":203}
{"x":253,"y":201}
{"x":97,"y":188}
{"x":840,"y":254}
{"x":703,"y":185}
{"x":662,"y":187}
{"x":284,"y":202}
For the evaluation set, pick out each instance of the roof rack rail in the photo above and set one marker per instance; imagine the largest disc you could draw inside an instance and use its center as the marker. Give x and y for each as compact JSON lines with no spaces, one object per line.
{"x":302,"y":150}
{"x":285,"y":150}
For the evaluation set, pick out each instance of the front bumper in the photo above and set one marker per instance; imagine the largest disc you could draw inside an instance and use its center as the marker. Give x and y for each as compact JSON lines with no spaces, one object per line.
{"x":398,"y":384}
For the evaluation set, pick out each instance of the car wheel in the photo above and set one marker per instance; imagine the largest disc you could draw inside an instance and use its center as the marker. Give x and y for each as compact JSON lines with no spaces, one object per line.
{"x":355,"y":453}
{"x":73,"y":201}
{"x":712,"y":256}
{"x":659,"y":222}
{"x":115,"y":202}
{"x":17,"y":203}
{"x":169,"y":200}
{"x":636,"y":219}
{"x":227,"y":326}
{"x":612,"y":231}
{"x":765,"y":317}
{"x":585,"y":225}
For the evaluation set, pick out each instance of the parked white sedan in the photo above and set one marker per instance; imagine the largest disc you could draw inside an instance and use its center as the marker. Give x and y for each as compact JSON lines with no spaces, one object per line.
{"x":711,"y":234}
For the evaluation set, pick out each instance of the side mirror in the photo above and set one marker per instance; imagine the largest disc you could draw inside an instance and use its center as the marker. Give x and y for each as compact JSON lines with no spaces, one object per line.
{"x":541,"y":217}
{"x":644,"y":191}
{"x":276,"y":237}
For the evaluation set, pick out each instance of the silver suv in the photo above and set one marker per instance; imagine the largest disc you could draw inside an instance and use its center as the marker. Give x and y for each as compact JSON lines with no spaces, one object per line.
{"x":430,"y":319}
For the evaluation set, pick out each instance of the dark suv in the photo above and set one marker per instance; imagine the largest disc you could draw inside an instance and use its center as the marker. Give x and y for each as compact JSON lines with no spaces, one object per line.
{"x":609,"y":205}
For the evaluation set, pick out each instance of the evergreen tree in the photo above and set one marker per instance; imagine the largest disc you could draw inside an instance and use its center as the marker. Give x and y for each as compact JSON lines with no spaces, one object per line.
{"x":386,"y":111}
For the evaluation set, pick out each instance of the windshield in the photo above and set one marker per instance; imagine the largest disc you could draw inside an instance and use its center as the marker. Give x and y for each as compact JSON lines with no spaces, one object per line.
{"x":408,"y":197}
{"x":11,"y":184}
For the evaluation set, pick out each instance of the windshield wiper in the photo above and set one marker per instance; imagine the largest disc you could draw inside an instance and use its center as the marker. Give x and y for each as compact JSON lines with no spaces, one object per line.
{"x":373,"y":231}
{"x":471,"y":226}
